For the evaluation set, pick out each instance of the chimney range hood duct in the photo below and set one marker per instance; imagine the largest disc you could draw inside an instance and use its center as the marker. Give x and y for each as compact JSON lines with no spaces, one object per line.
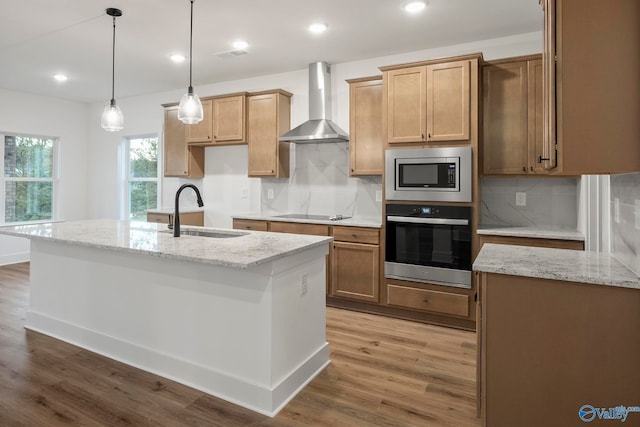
{"x":319,"y":127}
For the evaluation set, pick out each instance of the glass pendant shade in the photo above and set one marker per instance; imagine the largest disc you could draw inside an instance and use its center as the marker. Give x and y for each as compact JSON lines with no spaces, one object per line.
{"x":190,"y":109}
{"x":112,"y":119}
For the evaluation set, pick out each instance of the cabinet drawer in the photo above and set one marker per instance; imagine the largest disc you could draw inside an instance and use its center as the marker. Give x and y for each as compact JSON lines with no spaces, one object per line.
{"x":357,"y":235}
{"x":298,"y":228}
{"x":423,"y":299}
{"x":250,"y":224}
{"x":158,"y":217}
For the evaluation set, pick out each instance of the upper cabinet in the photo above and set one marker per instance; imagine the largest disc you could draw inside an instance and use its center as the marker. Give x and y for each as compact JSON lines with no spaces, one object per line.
{"x":366,"y":139}
{"x":431,"y":102}
{"x":180,"y":159}
{"x":224,"y":121}
{"x":269,"y":115}
{"x":592,"y":88}
{"x":229,"y":119}
{"x":512,"y":116}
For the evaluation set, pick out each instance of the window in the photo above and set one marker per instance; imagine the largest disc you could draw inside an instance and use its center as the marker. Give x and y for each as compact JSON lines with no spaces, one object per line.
{"x":28,"y":178}
{"x":141,"y":176}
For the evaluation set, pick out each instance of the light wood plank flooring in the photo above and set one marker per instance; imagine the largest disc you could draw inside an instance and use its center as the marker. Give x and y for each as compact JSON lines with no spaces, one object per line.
{"x":384,"y":372}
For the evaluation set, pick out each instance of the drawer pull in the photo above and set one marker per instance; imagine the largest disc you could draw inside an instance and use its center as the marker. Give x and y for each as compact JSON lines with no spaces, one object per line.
{"x":425,"y":300}
{"x":354,"y":235}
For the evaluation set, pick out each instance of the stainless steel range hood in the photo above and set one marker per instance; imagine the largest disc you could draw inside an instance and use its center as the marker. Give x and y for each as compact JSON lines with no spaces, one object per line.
{"x":319,"y":127}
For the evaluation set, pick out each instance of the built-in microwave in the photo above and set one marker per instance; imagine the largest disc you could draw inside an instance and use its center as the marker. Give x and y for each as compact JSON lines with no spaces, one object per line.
{"x":429,"y":174}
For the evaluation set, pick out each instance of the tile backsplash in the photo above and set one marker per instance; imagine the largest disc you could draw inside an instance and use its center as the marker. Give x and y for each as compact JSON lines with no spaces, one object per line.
{"x":549,"y":202}
{"x":319,"y":184}
{"x":625,"y":219}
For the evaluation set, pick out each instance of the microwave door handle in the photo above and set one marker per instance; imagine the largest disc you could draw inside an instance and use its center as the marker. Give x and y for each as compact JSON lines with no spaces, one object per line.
{"x":439,"y":221}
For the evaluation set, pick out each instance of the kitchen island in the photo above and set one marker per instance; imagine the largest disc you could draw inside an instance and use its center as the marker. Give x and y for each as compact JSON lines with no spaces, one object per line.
{"x":237,"y":314}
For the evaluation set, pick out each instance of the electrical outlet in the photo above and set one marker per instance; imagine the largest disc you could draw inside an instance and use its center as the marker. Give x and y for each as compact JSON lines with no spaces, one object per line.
{"x":616,"y":210}
{"x":244,"y":193}
{"x":378,"y":195}
{"x":270,"y":193}
{"x":637,"y":214}
{"x":521,"y":198}
{"x":304,"y":284}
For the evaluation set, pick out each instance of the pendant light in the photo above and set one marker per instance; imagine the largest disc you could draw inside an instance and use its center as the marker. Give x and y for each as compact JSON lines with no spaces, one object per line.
{"x":190,"y":108}
{"x":112,"y":119}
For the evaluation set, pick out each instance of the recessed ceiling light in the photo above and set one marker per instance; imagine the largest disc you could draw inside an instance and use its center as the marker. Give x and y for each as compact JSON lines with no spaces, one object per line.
{"x":240,"y":44}
{"x":61,"y":77}
{"x":415,"y":6}
{"x":177,"y":58}
{"x":317,"y":28}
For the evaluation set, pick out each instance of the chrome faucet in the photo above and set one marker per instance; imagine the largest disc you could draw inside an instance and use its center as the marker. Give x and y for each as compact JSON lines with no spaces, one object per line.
{"x":176,"y":214}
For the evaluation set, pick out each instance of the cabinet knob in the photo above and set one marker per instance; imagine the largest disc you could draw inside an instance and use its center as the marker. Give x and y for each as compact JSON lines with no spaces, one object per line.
{"x":351,"y":169}
{"x":422,"y":136}
{"x":524,"y":169}
{"x":272,"y":171}
{"x":425,"y":300}
{"x":531,"y":168}
{"x":354,"y":235}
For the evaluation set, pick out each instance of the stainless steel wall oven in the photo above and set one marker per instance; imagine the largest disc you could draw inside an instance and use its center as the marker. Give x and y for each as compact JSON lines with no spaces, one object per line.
{"x":429,"y":243}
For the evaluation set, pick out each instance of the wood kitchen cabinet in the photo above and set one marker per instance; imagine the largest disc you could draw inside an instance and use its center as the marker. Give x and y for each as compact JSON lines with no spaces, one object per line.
{"x":513,"y":116}
{"x":577,"y":245}
{"x":366,"y":140}
{"x":355,"y":263}
{"x":203,"y":131}
{"x":591,"y":86}
{"x":557,"y":345}
{"x":431,"y":102}
{"x":250,"y":224}
{"x":229,"y":119}
{"x":186,"y":218}
{"x":269,"y":116}
{"x":180,"y":160}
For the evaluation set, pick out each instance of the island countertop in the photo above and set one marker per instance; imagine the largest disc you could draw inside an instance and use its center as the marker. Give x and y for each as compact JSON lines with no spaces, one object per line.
{"x":556,"y":264}
{"x":250,"y":248}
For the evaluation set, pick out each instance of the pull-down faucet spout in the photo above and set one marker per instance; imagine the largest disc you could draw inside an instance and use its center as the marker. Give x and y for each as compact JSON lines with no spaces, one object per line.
{"x":176,"y":213}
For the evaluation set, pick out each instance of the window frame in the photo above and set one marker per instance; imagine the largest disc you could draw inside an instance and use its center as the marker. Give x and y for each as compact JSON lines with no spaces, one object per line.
{"x":54,"y":179}
{"x":125,"y":174}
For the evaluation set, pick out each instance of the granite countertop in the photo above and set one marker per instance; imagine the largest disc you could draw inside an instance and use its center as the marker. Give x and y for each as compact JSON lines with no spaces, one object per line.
{"x":535,"y":232}
{"x":556,"y":264}
{"x":172,"y":210}
{"x":351,"y":222}
{"x":251,"y":248}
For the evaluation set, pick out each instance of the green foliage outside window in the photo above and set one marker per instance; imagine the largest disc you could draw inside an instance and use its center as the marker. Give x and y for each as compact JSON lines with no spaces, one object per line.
{"x":143,"y":177}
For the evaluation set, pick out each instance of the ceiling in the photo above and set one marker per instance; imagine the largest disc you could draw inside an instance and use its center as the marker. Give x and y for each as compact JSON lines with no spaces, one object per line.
{"x":39,"y":38}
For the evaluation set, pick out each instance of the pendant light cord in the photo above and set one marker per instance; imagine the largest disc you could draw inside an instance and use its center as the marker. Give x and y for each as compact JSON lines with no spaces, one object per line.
{"x":191,"y":49}
{"x":113,"y":63}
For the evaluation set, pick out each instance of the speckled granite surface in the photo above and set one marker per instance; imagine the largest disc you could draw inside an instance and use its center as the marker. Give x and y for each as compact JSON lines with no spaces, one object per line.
{"x":536,"y":232}
{"x":556,"y":264}
{"x":351,"y":222}
{"x":250,"y":249}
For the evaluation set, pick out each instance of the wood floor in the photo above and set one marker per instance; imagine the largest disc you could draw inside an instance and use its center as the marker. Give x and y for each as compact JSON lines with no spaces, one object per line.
{"x":383,"y":372}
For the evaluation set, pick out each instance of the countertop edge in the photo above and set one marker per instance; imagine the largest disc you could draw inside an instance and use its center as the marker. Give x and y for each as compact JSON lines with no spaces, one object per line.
{"x":351,"y":222}
{"x":532,"y":233}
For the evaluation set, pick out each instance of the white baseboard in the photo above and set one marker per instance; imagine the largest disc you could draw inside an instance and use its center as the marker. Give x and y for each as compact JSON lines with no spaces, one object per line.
{"x":14,"y":258}
{"x":253,"y":396}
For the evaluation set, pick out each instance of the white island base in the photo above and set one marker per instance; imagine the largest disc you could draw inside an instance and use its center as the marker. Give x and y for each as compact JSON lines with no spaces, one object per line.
{"x":253,"y":336}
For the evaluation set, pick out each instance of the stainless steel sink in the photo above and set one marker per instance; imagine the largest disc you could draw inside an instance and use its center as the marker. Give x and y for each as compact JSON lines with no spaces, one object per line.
{"x":208,"y":233}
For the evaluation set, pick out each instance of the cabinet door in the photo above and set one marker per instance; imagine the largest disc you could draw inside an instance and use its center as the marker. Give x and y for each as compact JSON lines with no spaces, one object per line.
{"x":549,"y":153}
{"x":448,"y":101}
{"x":229,"y":119}
{"x":268,"y":117}
{"x":406,"y":105}
{"x":355,"y":271}
{"x":366,"y":140}
{"x":536,"y":116}
{"x":203,"y":131}
{"x":180,"y":159}
{"x":505,"y":118}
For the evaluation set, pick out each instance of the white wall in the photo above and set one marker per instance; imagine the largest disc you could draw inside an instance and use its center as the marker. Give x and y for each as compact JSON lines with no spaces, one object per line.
{"x":144,"y":115}
{"x":24,"y":113}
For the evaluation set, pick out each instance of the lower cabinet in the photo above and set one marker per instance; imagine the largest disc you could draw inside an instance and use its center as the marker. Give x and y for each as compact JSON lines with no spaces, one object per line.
{"x":555,"y":353}
{"x":356,"y":263}
{"x":428,"y":300}
{"x":186,"y":218}
{"x":577,"y":245}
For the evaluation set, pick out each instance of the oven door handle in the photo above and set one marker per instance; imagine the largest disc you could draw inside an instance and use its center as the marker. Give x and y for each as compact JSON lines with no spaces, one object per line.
{"x":442,"y":221}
